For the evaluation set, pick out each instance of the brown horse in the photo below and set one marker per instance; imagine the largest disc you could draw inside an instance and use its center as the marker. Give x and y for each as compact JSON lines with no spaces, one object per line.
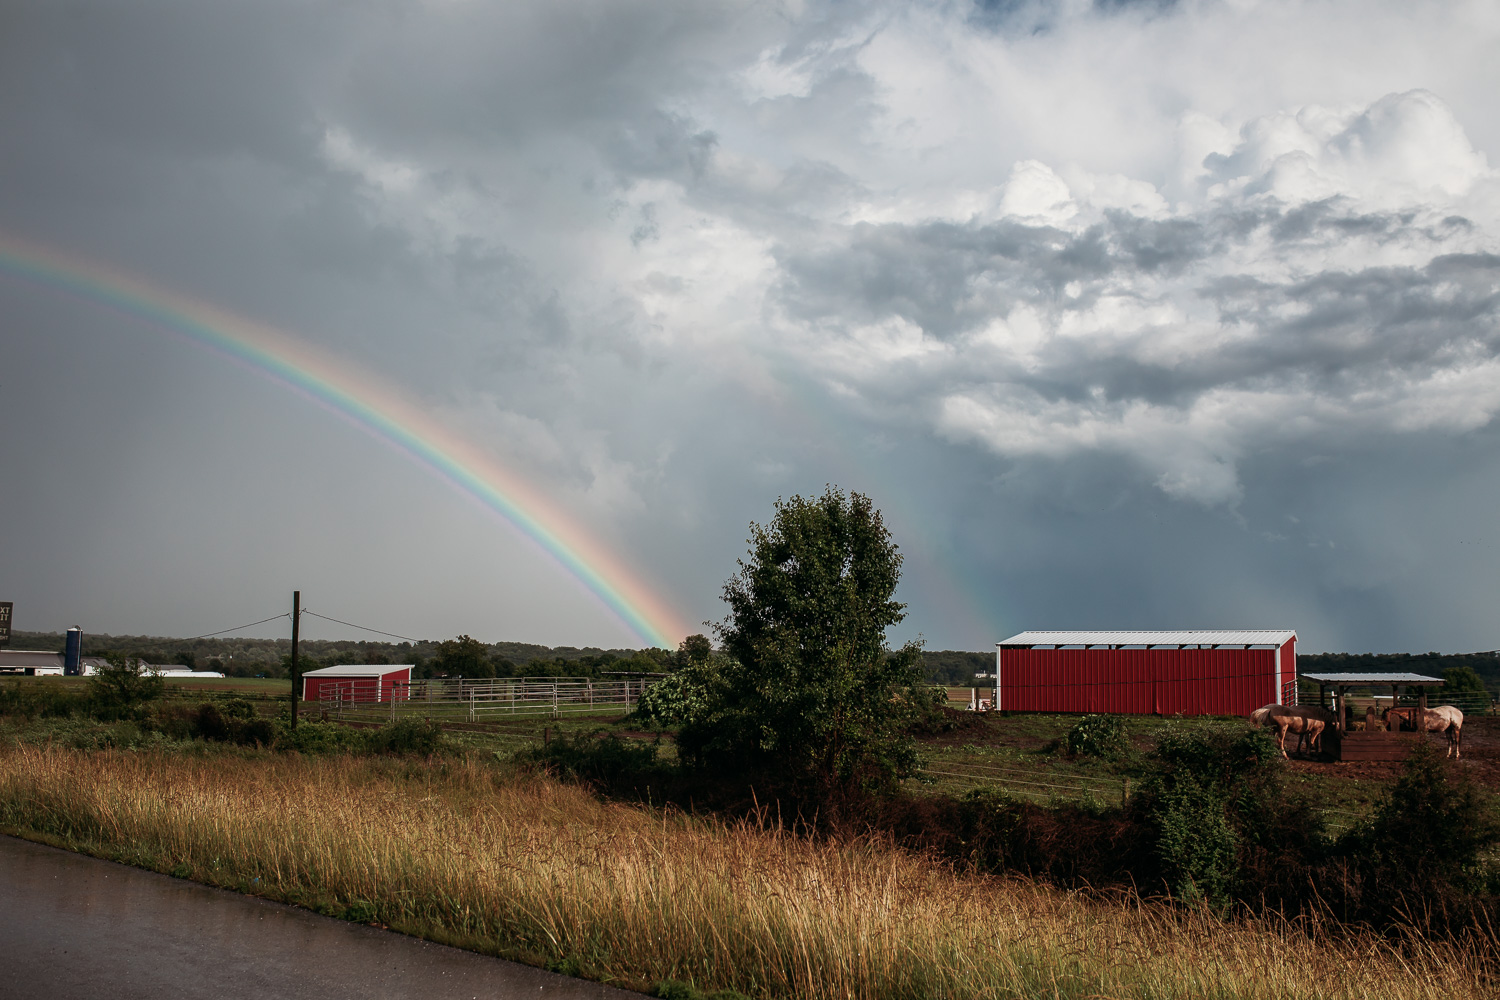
{"x":1307,"y":723}
{"x":1444,"y":719}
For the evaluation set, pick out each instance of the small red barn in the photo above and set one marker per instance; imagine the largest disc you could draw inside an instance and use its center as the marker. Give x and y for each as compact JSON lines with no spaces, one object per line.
{"x":1191,"y":672}
{"x":356,"y":684}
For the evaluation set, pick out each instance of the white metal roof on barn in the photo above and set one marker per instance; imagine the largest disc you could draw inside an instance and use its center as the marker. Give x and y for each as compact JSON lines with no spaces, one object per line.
{"x":1184,"y":637}
{"x":359,"y":670}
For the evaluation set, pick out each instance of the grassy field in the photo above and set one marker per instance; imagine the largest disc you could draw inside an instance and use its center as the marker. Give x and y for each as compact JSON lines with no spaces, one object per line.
{"x":515,"y":865}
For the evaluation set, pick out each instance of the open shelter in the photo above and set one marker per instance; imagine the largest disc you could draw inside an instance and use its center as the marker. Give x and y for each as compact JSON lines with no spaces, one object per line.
{"x":1373,"y":742}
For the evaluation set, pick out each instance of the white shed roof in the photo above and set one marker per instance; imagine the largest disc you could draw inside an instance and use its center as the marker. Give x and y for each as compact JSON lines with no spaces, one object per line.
{"x":1357,"y":678}
{"x":358,"y":670}
{"x":1185,"y":637}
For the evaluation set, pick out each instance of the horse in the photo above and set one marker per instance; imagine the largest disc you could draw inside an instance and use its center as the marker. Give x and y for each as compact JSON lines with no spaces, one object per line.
{"x":1307,"y":723}
{"x":1444,"y":719}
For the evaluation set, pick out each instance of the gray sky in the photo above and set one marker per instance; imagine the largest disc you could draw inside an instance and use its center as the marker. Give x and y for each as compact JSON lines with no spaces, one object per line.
{"x":1127,"y":315}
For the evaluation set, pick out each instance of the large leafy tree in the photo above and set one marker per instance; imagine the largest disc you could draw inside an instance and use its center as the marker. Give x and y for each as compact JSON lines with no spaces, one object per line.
{"x":811,"y":691}
{"x":462,"y":657}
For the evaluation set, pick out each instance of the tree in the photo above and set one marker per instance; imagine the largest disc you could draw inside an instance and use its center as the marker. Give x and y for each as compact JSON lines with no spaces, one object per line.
{"x":692,"y":650}
{"x":810,"y":691}
{"x":463,"y":657}
{"x":1462,"y":679}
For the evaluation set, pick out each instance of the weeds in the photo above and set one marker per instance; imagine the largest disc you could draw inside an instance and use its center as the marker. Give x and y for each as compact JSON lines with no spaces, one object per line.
{"x":545,"y":873}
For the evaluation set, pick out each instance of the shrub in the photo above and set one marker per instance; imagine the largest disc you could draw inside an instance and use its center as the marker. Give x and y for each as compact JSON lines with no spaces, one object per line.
{"x":1101,"y":736}
{"x":318,"y":738}
{"x":1195,"y":841}
{"x":119,"y":688}
{"x":1429,"y":834}
{"x":1208,"y":785}
{"x":237,"y":708}
{"x":680,"y":696}
{"x":608,"y":763}
{"x":33,"y":699}
{"x":416,"y":736}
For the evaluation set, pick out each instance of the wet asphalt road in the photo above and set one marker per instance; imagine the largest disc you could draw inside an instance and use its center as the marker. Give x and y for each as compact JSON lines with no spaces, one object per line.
{"x":76,"y":927}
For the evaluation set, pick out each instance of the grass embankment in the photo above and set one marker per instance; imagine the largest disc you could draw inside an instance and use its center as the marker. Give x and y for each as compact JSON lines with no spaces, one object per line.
{"x":527,"y":868}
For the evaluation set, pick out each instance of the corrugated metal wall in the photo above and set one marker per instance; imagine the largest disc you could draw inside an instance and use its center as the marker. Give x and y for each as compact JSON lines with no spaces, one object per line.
{"x":357,"y":690}
{"x":1139,"y":681}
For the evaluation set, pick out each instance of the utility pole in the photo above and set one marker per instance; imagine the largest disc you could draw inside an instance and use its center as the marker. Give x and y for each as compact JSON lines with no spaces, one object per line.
{"x":296,"y":672}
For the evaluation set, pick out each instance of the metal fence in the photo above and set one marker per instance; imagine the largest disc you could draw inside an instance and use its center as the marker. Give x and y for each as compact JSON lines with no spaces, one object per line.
{"x":1468,"y":702}
{"x":461,"y":700}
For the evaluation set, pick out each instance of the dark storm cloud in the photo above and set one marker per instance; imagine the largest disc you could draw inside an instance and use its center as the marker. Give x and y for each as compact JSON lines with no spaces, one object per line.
{"x":1046,"y":278}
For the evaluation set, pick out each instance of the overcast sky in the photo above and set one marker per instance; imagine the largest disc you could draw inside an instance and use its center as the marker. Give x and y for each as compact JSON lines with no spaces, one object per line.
{"x":1128,"y":315}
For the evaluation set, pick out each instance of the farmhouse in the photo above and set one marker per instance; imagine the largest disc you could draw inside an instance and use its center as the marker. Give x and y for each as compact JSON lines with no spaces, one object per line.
{"x":358,"y":683}
{"x":1191,"y":672}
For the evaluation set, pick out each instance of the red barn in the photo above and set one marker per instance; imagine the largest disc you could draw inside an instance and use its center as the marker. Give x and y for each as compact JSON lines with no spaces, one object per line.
{"x":356,"y":684}
{"x":1193,"y":672}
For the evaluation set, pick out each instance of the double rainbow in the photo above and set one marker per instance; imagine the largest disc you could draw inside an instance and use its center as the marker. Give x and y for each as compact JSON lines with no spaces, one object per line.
{"x":378,"y":408}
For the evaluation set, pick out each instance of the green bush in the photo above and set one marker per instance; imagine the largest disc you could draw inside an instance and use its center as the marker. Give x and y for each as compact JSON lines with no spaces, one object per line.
{"x":415,"y":736}
{"x":680,"y":696}
{"x":1207,"y":786}
{"x":1101,"y":736}
{"x":319,"y":738}
{"x":1431,"y":832}
{"x":119,"y":689}
{"x":1196,"y":842}
{"x":41,"y":699}
{"x":606,"y":762}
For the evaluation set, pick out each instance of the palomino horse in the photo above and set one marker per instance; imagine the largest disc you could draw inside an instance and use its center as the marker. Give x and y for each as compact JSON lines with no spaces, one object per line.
{"x":1444,"y":719}
{"x":1307,"y":723}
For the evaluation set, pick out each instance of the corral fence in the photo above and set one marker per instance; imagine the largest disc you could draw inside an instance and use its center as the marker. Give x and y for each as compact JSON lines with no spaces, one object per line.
{"x":1468,"y":702}
{"x":456,"y":699}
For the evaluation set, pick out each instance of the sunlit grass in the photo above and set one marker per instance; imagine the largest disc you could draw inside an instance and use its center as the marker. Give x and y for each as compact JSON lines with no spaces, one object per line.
{"x":525,"y":867}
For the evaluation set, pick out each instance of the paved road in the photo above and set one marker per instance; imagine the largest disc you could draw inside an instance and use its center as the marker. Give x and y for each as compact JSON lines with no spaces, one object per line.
{"x":76,"y":927}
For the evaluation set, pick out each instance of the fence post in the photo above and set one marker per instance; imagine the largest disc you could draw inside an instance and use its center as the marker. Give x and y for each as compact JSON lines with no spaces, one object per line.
{"x":471,"y":704}
{"x":554,"y":697}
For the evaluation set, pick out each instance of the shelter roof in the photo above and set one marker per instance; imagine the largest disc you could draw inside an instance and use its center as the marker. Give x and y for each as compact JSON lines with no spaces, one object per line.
{"x":358,"y":670}
{"x":1358,"y":678}
{"x":1184,"y":637}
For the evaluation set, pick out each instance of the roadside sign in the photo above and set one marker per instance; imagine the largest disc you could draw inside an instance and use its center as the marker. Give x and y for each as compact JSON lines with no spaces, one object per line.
{"x":5,"y":609}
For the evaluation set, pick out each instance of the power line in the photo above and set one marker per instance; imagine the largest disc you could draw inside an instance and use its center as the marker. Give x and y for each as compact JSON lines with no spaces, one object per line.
{"x":209,"y":635}
{"x":366,"y":628}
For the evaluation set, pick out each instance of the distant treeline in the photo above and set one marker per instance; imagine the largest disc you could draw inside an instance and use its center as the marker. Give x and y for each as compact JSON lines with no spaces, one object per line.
{"x":272,"y":657}
{"x":955,"y":667}
{"x":1486,"y":665}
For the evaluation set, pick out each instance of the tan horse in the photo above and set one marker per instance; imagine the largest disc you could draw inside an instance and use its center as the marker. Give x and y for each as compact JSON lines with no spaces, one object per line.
{"x":1307,"y":723}
{"x":1444,"y":719}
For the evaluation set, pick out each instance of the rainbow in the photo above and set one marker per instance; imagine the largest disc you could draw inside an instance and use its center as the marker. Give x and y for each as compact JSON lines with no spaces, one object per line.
{"x":376,"y":407}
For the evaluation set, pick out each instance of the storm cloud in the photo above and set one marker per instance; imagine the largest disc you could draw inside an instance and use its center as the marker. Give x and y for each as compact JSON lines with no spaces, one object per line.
{"x":1129,"y":315}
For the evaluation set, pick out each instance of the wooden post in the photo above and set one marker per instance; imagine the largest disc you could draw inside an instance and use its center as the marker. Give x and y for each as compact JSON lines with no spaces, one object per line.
{"x":296,"y":671}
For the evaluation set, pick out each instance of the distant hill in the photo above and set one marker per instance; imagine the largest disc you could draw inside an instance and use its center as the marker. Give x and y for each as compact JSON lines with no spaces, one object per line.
{"x":249,"y":657}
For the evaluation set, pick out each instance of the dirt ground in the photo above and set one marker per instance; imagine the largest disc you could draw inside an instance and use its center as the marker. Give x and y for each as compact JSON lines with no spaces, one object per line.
{"x":1481,"y":758}
{"x":1021,"y":749}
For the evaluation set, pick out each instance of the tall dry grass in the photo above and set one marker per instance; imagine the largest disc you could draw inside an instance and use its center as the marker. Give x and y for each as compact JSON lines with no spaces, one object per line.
{"x":525,"y":867}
